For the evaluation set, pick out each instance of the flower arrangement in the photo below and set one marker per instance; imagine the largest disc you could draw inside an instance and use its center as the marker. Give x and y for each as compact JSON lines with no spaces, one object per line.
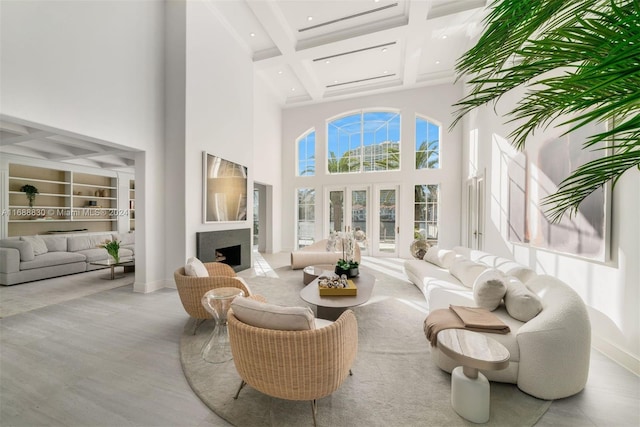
{"x":113,"y":248}
{"x":31,"y":193}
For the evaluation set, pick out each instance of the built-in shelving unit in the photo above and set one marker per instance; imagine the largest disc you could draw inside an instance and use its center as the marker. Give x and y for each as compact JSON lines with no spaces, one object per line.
{"x":70,"y":200}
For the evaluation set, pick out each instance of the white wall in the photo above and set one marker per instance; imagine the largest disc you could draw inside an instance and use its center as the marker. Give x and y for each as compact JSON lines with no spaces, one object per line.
{"x":609,"y":288}
{"x":94,"y":69}
{"x":267,"y":159}
{"x":433,"y":102}
{"x":218,"y":113}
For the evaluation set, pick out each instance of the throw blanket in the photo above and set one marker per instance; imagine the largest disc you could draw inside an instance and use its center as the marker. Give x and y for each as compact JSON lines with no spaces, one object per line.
{"x":458,"y":317}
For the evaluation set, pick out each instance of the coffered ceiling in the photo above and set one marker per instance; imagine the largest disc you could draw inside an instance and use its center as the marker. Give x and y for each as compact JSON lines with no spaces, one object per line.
{"x":314,"y":50}
{"x":306,"y":51}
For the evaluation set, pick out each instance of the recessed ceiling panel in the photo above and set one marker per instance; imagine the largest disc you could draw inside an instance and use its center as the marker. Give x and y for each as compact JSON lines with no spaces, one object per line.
{"x":247,"y":26}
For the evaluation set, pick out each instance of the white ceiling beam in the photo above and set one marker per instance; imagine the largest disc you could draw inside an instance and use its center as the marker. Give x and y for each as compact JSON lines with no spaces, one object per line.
{"x":22,"y":138}
{"x":276,"y":26}
{"x":414,"y":40}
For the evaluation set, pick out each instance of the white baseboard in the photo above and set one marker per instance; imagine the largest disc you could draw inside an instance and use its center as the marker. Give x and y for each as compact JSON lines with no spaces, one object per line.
{"x":145,"y":288}
{"x":618,"y":355}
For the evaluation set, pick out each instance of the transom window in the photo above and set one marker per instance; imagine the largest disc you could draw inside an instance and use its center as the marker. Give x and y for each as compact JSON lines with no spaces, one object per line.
{"x":364,"y":142}
{"x":306,"y":154}
{"x":427,"y":144}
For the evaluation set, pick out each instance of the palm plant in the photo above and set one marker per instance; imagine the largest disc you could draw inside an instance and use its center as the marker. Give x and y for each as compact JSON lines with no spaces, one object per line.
{"x":579,"y":62}
{"x":346,"y":163}
{"x":427,"y":155}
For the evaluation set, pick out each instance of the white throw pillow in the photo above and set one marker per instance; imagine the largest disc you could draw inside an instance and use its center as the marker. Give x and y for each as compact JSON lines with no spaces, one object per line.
{"x":271,"y":316}
{"x":39,"y":246}
{"x":520,"y":301}
{"x":440,"y":257}
{"x":195,"y":267}
{"x":466,"y":270}
{"x":489,"y":289}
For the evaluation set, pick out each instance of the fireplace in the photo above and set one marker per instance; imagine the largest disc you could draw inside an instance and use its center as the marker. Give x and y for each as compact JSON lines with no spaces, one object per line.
{"x":232,"y":247}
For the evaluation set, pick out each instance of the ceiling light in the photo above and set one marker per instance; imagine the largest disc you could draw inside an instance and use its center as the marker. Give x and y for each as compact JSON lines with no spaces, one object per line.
{"x":309,"y":18}
{"x":327,"y":62}
{"x":385,"y":72}
{"x":280,"y":72}
{"x":252,"y":34}
{"x":293,"y":89}
{"x":384,"y":49}
{"x":437,"y":62}
{"x":335,"y":81}
{"x":444,"y":37}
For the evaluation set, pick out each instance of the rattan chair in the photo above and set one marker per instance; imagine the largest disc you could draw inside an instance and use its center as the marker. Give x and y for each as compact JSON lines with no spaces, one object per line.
{"x":191,"y":289}
{"x":294,"y":365}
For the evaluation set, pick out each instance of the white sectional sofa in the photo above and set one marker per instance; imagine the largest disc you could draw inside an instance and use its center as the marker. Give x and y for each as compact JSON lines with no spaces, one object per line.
{"x":28,"y":258}
{"x":549,"y":353}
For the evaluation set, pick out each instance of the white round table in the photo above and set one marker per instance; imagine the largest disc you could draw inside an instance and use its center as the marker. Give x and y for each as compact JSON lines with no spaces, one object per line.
{"x":470,"y":389}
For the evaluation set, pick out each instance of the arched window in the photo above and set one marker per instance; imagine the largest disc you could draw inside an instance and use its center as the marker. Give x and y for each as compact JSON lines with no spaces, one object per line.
{"x":306,"y":154}
{"x":427,"y":144}
{"x":364,"y":142}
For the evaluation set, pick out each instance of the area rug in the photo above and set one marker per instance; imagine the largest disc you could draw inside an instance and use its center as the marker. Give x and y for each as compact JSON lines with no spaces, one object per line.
{"x":394,"y":381}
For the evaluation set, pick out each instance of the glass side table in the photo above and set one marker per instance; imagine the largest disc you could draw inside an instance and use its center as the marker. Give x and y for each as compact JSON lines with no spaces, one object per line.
{"x":217,"y":302}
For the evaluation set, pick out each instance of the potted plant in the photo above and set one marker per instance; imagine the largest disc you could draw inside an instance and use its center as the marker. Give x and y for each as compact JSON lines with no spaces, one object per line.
{"x":31,"y":193}
{"x":113,"y":249}
{"x":349,"y":268}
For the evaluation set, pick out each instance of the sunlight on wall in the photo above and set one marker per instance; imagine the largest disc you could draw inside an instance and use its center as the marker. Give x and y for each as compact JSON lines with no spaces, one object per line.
{"x":501,"y":153}
{"x":473,"y":153}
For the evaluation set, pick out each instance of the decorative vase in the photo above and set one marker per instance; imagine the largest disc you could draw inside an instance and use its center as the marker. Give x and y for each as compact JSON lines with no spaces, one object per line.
{"x":419,"y":248}
{"x":350,"y":273}
{"x":115,"y":255}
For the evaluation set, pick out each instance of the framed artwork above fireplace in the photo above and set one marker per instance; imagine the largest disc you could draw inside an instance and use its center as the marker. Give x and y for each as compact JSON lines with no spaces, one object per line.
{"x":224,"y":190}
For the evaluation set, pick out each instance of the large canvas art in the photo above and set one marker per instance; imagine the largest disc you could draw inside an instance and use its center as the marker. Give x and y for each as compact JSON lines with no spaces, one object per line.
{"x":225,"y":190}
{"x":536,"y":175}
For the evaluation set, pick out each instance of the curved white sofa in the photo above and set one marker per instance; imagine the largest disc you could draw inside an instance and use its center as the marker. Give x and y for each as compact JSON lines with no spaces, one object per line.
{"x":549,"y":353}
{"x":317,"y":254}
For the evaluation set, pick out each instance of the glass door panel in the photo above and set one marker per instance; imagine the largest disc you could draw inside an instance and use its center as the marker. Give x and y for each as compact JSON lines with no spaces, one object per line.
{"x":359,"y":202}
{"x":336,"y":210}
{"x":386,"y":244}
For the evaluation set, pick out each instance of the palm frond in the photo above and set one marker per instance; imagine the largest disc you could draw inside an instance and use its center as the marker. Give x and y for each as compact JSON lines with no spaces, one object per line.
{"x":579,"y":63}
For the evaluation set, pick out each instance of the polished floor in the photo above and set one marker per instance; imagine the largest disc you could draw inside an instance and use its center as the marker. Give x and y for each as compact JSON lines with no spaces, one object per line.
{"x":110,"y":358}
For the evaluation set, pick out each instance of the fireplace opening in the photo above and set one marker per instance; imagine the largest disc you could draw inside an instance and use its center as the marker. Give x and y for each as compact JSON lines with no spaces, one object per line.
{"x":231,"y":255}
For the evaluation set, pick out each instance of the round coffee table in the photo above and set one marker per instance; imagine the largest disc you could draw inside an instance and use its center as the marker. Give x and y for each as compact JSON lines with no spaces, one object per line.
{"x":217,"y":302}
{"x":310,"y":273}
{"x":469,"y":388}
{"x":331,"y":307}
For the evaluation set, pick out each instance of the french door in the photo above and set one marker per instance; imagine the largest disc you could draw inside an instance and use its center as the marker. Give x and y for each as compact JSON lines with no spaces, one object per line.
{"x":349,"y":211}
{"x":385,"y":239}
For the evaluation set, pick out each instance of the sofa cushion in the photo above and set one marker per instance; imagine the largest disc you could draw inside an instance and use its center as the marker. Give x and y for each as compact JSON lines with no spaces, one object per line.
{"x":78,"y":243}
{"x":55,"y":243}
{"x":195,"y":267}
{"x":440,"y":257}
{"x":521,"y":303}
{"x":524,"y":274}
{"x":489,"y":289}
{"x":271,"y":316}
{"x":466,"y":270}
{"x":51,"y":259}
{"x":125,"y":238}
{"x":39,"y":246}
{"x":24,"y":248}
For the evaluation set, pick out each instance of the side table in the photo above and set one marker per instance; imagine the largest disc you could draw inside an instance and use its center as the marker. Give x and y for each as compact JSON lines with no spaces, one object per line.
{"x":217,"y":302}
{"x":470,"y":396}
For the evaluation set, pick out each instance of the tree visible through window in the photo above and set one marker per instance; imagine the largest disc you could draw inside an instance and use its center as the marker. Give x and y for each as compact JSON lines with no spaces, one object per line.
{"x":426,"y":212}
{"x":364,"y":142}
{"x":306,"y":154}
{"x":427,"y":144}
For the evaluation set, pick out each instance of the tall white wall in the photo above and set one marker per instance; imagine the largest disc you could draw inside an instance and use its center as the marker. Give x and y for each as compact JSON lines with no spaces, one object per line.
{"x":610,"y":289}
{"x":95,"y":69}
{"x":433,"y":102}
{"x":218,"y":114}
{"x":267,"y":160}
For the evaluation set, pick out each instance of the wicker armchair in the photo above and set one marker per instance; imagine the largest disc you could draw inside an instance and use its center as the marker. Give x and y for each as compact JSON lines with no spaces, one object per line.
{"x":294,"y":365}
{"x":191,"y":288}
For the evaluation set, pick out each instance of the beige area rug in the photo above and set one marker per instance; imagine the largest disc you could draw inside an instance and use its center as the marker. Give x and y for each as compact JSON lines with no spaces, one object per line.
{"x":394,"y":382}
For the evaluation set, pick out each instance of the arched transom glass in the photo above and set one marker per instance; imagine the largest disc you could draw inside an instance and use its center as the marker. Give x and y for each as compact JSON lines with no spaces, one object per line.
{"x":364,"y":142}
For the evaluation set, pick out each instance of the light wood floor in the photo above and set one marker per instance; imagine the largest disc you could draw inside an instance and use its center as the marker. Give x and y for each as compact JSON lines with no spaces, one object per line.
{"x":111,"y":359}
